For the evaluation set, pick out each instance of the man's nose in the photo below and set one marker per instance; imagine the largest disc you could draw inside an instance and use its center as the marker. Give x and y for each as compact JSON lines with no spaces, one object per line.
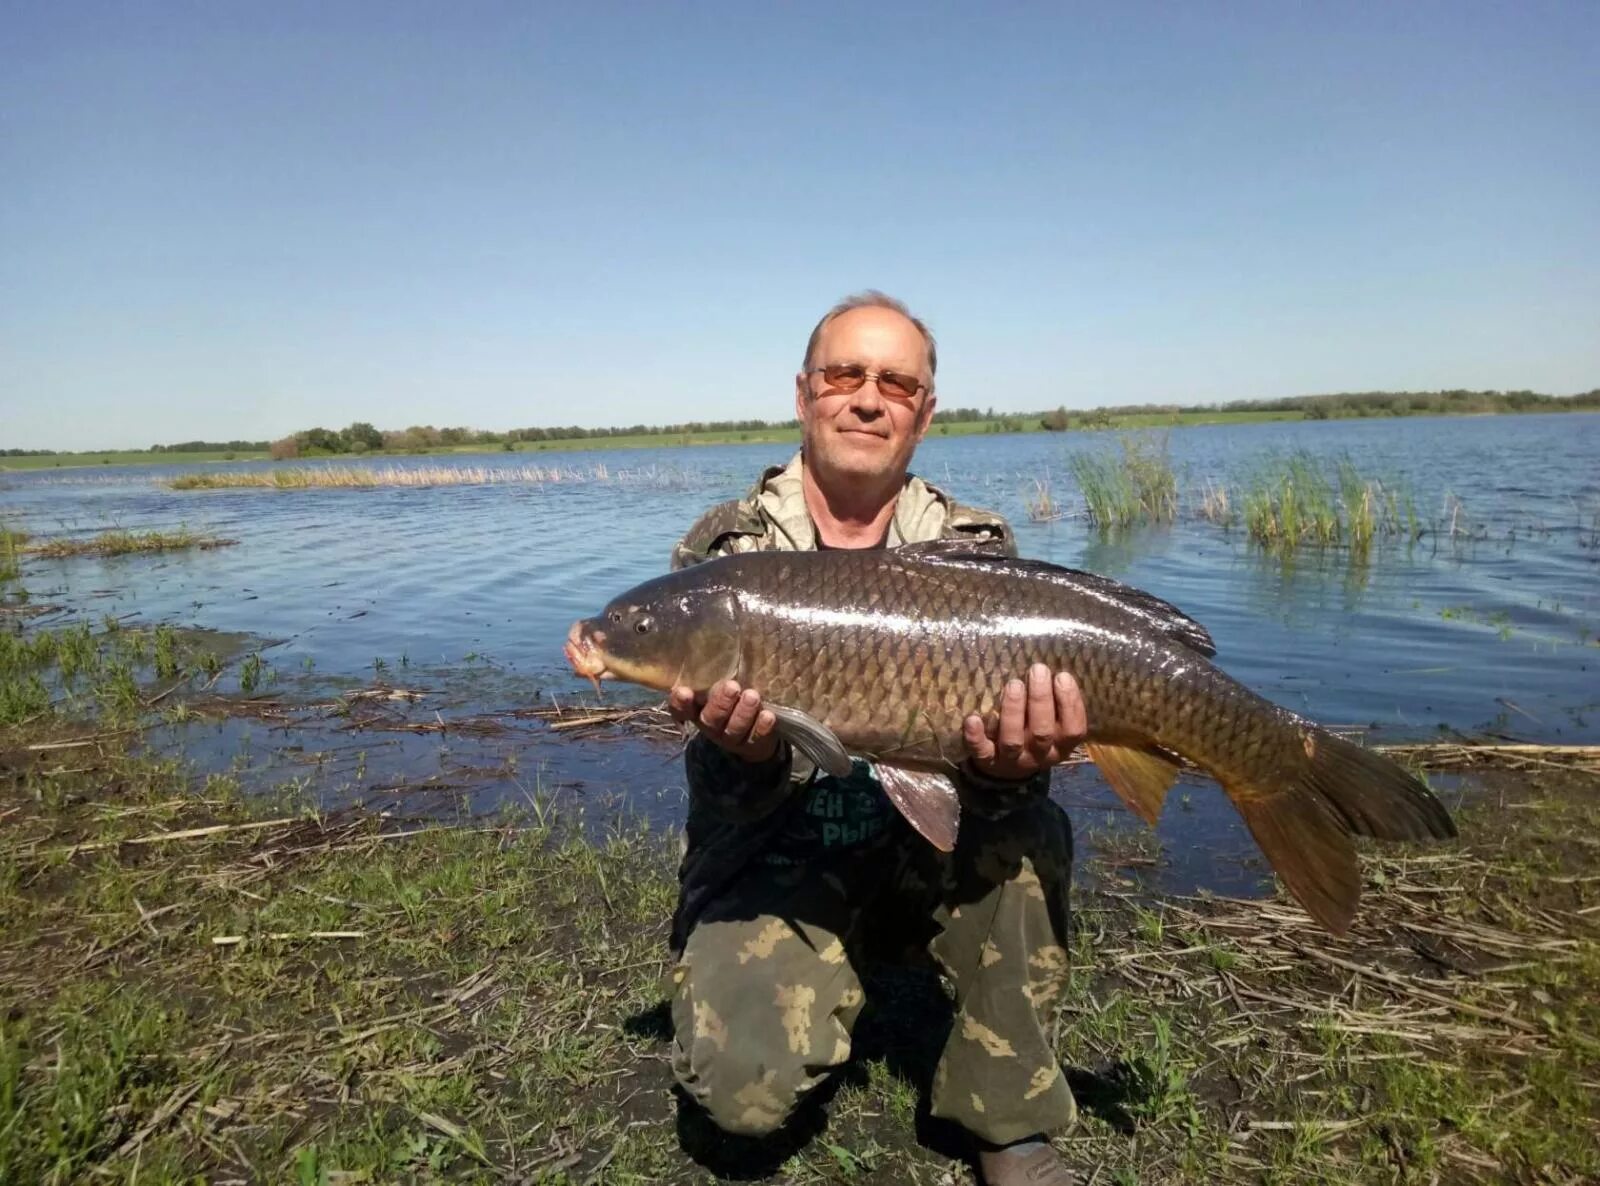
{"x":867,"y":397}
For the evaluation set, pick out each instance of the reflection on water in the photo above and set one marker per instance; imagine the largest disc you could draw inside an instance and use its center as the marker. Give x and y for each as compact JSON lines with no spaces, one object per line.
{"x":1487,"y":624}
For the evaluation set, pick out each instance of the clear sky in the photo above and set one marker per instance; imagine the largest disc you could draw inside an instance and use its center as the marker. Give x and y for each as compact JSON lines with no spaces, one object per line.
{"x":232,"y":220}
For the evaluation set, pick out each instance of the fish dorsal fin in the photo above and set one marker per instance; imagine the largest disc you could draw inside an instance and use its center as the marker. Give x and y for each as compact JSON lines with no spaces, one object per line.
{"x":1140,"y":778}
{"x":1152,"y":611}
{"x":956,"y":549}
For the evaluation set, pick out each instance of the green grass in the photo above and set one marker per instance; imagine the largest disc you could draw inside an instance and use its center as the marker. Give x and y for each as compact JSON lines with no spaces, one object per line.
{"x":1137,"y":486}
{"x":124,"y":543}
{"x":119,"y":457}
{"x":110,"y":674}
{"x":1301,"y":501}
{"x":12,"y":541}
{"x":495,"y":1005}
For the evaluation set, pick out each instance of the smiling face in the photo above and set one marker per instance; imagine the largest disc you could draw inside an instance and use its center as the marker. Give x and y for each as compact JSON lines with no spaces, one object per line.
{"x":862,"y":434}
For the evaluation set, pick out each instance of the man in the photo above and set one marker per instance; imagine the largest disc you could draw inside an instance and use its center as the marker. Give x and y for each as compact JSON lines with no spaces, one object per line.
{"x":792,"y":876}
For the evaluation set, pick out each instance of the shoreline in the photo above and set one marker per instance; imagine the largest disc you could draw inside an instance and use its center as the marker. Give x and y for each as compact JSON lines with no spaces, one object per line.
{"x":1140,"y":421}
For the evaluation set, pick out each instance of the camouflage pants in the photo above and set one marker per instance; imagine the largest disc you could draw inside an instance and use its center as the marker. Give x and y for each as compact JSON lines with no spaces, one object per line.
{"x":766,"y":993}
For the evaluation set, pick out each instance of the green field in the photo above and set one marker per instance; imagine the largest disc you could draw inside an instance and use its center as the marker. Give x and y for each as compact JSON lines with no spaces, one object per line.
{"x":119,"y":457}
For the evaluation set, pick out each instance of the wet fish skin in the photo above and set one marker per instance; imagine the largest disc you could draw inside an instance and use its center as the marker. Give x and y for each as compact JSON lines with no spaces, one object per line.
{"x":889,"y":650}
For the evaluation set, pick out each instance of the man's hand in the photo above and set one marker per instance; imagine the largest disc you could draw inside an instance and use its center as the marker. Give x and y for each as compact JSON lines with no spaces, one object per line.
{"x":1039,"y":725}
{"x":730,"y":718}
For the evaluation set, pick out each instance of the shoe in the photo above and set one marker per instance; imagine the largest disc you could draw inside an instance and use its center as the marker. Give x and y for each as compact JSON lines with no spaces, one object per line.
{"x":1027,"y":1163}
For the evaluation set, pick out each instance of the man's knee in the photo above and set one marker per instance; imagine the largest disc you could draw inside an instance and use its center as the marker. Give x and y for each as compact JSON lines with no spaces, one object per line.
{"x":746,"y":1090}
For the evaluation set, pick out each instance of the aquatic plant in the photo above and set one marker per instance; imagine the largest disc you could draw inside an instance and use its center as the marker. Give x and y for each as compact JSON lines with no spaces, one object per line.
{"x":1041,"y":504}
{"x":1137,"y":486}
{"x":1215,"y":505}
{"x":73,"y":667}
{"x":364,"y":477}
{"x":11,"y":541}
{"x":1294,"y":501}
{"x":123,"y":543}
{"x":361,"y":477}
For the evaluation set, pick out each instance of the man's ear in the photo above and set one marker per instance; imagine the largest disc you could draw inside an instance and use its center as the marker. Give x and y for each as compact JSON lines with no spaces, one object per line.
{"x":802,"y":397}
{"x":925,"y":416}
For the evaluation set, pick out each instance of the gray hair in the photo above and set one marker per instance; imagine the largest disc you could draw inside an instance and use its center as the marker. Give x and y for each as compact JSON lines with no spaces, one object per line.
{"x":873,"y":299}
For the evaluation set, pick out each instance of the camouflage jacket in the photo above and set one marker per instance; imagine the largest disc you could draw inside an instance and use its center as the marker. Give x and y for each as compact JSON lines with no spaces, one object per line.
{"x":736,"y":808}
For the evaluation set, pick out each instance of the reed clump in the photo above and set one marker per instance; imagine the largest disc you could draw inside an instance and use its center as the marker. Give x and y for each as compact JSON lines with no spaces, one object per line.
{"x":362,"y":477}
{"x":1298,"y":501}
{"x":11,"y":545}
{"x":1135,"y":486}
{"x":125,"y":543}
{"x":1041,"y":504}
{"x":1216,"y":506}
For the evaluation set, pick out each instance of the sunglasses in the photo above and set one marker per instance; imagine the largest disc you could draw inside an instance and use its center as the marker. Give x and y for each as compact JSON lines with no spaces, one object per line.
{"x":845,"y":377}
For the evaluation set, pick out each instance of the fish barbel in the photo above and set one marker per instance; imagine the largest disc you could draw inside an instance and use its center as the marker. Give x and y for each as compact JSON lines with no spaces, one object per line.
{"x":885,"y":652}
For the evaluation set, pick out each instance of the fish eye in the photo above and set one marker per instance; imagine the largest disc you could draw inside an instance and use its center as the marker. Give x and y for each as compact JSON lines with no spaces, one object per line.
{"x":642,"y":626}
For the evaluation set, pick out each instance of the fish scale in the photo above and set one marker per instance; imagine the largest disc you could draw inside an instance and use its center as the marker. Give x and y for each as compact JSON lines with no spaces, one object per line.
{"x":885,"y":652}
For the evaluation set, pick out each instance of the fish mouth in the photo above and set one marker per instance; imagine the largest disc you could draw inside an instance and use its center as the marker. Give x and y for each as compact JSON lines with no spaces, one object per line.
{"x":584,"y":652}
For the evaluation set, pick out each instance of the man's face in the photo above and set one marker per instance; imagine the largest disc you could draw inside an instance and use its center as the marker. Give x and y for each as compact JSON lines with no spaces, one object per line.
{"x":864,"y":433}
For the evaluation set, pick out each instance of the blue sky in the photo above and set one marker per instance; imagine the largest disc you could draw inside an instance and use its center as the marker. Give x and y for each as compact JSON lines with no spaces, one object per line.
{"x":221,"y":220}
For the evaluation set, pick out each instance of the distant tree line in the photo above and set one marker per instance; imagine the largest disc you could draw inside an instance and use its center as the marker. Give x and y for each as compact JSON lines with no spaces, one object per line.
{"x":1342,"y":405}
{"x":362,"y":437}
{"x":212,"y":447}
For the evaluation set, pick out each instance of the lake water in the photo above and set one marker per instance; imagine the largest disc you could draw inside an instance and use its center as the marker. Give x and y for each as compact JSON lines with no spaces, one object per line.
{"x":467,"y":591}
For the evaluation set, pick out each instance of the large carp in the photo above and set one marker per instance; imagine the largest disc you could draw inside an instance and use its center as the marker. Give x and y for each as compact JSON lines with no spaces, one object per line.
{"x":885,"y":652}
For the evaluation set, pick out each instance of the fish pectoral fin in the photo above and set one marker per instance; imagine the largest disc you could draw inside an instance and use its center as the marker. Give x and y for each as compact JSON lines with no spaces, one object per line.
{"x":813,"y":739}
{"x":1140,"y":778}
{"x":928,"y":801}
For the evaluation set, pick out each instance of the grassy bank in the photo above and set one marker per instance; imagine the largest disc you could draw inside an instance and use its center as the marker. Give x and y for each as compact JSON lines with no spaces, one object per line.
{"x":121,"y":457}
{"x":197,"y":983}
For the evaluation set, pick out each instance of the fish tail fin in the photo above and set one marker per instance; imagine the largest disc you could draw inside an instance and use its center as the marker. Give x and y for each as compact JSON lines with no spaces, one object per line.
{"x":1334,"y":789}
{"x":1372,"y":793}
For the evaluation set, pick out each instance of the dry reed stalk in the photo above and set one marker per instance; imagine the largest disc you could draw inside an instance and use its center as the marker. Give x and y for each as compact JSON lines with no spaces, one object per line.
{"x":185,"y":834}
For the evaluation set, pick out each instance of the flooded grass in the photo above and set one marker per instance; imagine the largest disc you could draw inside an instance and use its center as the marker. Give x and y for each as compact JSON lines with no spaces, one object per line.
{"x":1041,"y":504}
{"x":1216,"y":506}
{"x":363,"y":477}
{"x":1301,"y":501}
{"x":11,"y":545}
{"x":126,"y":543}
{"x":1134,"y":486}
{"x":116,"y":672}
